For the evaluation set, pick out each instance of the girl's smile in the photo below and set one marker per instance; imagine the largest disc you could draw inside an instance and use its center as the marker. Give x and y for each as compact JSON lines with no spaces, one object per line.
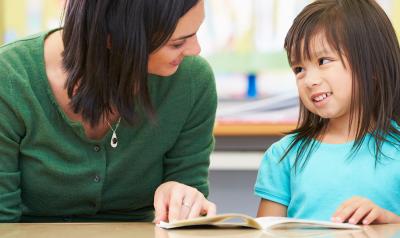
{"x":320,"y":99}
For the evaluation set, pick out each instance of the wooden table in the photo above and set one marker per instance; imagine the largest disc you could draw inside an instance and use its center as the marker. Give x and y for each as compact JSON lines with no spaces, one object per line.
{"x":255,"y":129}
{"x":148,"y":230}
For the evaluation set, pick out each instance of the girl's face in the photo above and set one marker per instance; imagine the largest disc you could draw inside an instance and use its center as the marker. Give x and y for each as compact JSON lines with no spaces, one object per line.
{"x":183,"y":42}
{"x":324,"y":82}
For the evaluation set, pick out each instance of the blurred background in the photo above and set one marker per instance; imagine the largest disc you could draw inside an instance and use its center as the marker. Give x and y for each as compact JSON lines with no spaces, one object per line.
{"x":243,"y":41}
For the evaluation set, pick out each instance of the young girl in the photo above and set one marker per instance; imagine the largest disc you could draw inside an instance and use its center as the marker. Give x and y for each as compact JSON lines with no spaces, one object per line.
{"x":342,"y":162}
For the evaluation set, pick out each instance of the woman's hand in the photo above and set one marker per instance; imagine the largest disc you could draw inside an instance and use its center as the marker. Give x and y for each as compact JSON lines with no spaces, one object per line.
{"x":176,"y":201}
{"x":362,"y":210}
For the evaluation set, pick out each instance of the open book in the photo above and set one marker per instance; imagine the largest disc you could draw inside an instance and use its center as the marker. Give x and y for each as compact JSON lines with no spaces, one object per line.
{"x":264,"y":223}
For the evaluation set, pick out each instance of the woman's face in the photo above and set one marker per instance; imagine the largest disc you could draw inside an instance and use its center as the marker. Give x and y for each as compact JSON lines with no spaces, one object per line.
{"x":183,"y":42}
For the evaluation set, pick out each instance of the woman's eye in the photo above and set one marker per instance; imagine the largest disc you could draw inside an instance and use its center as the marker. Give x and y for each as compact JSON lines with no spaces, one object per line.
{"x":177,"y":46}
{"x":323,"y":61}
{"x":297,"y":70}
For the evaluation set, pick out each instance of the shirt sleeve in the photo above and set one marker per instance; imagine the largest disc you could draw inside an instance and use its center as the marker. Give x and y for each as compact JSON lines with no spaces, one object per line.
{"x":10,"y":139}
{"x":188,"y":160}
{"x":273,"y":179}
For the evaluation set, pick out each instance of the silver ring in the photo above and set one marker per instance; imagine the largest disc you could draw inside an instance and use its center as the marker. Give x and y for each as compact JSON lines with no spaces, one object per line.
{"x":185,"y":204}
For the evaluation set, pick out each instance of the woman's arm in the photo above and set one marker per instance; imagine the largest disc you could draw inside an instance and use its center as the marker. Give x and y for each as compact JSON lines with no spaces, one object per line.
{"x":183,"y":195}
{"x":269,"y":208}
{"x":10,"y":137}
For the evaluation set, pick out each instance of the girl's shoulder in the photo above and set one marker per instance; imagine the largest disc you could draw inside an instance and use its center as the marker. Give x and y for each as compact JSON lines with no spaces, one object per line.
{"x":285,"y":141}
{"x":281,"y":146}
{"x":395,"y":135}
{"x":396,"y":125}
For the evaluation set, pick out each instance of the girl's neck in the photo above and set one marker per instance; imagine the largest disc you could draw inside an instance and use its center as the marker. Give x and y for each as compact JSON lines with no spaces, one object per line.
{"x":339,"y":131}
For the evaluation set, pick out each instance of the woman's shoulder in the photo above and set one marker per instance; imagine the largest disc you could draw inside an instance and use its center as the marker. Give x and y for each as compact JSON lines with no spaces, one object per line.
{"x":19,"y":56}
{"x":193,"y":70}
{"x":21,"y":45}
{"x":196,"y":72}
{"x":192,"y":83}
{"x":194,"y":63}
{"x":21,"y":63}
{"x":197,"y":67}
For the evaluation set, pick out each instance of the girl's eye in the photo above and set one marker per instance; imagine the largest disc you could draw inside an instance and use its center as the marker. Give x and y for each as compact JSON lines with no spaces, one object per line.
{"x":323,"y":61}
{"x":297,"y":70}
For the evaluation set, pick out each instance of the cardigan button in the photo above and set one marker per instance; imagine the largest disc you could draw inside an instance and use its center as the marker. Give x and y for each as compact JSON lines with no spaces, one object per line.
{"x":96,"y":148}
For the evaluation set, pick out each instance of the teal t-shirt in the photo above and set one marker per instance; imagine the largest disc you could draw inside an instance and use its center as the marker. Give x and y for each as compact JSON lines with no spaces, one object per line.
{"x":329,"y":178}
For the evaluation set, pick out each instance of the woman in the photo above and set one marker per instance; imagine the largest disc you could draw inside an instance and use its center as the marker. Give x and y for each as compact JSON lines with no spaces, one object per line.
{"x":102,"y":116}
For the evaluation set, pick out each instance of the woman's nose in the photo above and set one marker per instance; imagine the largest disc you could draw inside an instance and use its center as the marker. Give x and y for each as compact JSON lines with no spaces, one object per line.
{"x":193,"y":48}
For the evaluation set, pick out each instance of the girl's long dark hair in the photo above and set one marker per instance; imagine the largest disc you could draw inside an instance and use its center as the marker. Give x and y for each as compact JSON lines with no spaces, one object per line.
{"x":106,"y":49}
{"x":360,"y":31}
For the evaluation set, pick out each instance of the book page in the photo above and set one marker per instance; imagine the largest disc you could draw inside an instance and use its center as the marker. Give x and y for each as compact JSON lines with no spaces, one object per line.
{"x":221,"y":219}
{"x":293,"y":223}
{"x":257,"y":223}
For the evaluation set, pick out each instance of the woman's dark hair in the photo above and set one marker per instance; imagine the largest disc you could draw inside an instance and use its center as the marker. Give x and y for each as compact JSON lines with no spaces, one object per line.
{"x":360,"y":31}
{"x":106,"y":49}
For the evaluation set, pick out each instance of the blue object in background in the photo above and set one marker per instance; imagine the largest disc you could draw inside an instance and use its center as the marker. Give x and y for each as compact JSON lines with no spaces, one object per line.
{"x":251,"y":85}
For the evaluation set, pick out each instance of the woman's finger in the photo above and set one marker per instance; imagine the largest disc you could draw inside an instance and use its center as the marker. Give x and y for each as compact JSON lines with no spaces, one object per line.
{"x":197,"y":206}
{"x":187,"y":204}
{"x":209,"y":208}
{"x":175,"y":204}
{"x":160,"y":207}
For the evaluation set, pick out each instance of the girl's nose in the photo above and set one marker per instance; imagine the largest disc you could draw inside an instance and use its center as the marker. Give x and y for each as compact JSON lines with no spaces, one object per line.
{"x":312,"y":78}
